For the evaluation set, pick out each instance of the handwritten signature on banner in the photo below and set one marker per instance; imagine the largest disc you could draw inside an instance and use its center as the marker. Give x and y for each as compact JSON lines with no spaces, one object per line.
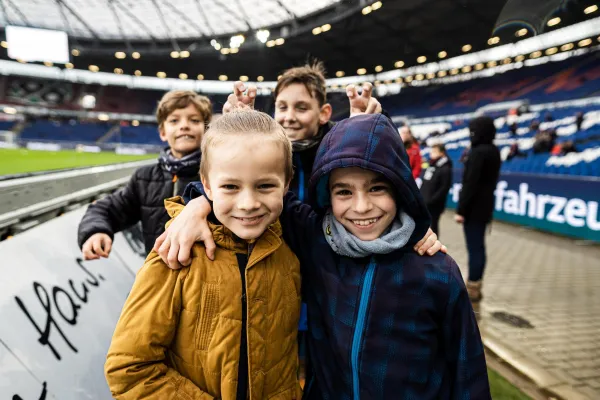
{"x":69,"y":315}
{"x":42,"y":396}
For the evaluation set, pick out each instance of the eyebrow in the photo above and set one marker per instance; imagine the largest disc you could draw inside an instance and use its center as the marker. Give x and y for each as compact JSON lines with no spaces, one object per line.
{"x":344,"y":185}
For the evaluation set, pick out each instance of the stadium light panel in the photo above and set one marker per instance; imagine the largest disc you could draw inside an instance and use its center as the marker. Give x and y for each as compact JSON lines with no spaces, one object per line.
{"x":183,"y":76}
{"x":442,"y":54}
{"x":466,"y":48}
{"x":94,"y":68}
{"x":326,"y":28}
{"x":340,"y":74}
{"x":234,"y":50}
{"x":270,"y":43}
{"x":161,"y":74}
{"x":584,"y":42}
{"x":184,"y":54}
{"x":136,"y":55}
{"x":174,"y":54}
{"x":376,"y":6}
{"x":262,"y":35}
{"x":421,"y":59}
{"x":552,"y":50}
{"x":135,"y":122}
{"x":103,"y":117}
{"x":361,"y":71}
{"x":591,"y":9}
{"x":118,"y":71}
{"x":244,"y":78}
{"x":279,"y":41}
{"x":222,"y":77}
{"x":493,"y":40}
{"x":69,"y":66}
{"x":4,"y":44}
{"x":366,"y":10}
{"x":137,"y":72}
{"x":399,"y":64}
{"x":32,"y":44}
{"x":554,"y":21}
{"x":120,"y":55}
{"x":48,"y":63}
{"x":260,"y":78}
{"x":521,"y":32}
{"x":317,"y":31}
{"x":442,"y":74}
{"x":9,"y":110}
{"x":378,"y":68}
{"x":75,"y":52}
{"x":567,"y":47}
{"x":200,"y":77}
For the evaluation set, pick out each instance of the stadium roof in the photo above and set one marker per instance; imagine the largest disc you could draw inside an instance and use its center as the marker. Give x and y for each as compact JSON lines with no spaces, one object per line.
{"x":155,"y":19}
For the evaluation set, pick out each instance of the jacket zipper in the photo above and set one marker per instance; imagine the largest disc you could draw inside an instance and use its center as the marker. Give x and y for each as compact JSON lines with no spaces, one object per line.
{"x":359,"y":328}
{"x":242,"y":390}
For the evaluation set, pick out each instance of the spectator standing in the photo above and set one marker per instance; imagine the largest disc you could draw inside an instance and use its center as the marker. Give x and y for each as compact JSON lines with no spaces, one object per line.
{"x":413,"y":150}
{"x":437,"y":181}
{"x":476,"y":202}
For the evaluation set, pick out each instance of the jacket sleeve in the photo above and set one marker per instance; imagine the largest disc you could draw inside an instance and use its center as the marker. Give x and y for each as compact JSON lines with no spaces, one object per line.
{"x":112,"y":213}
{"x":443,"y":187}
{"x":415,"y":164}
{"x":470,"y":180}
{"x":464,"y":349}
{"x":136,"y":365}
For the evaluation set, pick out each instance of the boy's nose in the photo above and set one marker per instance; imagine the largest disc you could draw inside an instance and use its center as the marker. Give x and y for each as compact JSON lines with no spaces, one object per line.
{"x":247,"y":201}
{"x":362,"y":204}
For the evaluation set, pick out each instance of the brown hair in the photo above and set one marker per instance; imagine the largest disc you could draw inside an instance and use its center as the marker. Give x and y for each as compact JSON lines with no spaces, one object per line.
{"x":312,"y":76}
{"x":178,"y":99}
{"x":440,"y":147}
{"x":245,"y":122}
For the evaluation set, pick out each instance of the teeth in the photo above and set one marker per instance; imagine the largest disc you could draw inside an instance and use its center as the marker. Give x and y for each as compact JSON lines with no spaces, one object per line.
{"x":364,"y":222}
{"x":250,"y":219}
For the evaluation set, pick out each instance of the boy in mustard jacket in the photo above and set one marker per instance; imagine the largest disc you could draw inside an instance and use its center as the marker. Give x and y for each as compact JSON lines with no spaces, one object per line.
{"x":226,"y":328}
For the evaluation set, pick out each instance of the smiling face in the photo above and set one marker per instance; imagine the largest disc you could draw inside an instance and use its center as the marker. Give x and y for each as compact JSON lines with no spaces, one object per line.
{"x":299,"y":113}
{"x":183,"y":130}
{"x":246,"y":183}
{"x":362,"y":201}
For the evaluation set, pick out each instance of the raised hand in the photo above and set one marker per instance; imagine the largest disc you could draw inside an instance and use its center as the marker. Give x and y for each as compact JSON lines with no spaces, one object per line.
{"x":363,"y":103}
{"x":238,"y":99}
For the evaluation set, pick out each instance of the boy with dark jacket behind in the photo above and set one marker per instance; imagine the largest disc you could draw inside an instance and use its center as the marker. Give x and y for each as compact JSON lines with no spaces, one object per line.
{"x":182,"y":117}
{"x":437,"y":181}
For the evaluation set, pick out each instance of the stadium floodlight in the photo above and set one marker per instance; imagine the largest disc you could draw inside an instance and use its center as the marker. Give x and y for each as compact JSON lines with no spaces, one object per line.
{"x":262,"y":35}
{"x":521,"y":32}
{"x":69,"y":66}
{"x":236,"y":41}
{"x":244,"y":78}
{"x":554,"y":21}
{"x":361,"y":71}
{"x":317,"y":30}
{"x":376,"y":6}
{"x":584,"y":42}
{"x":466,"y":48}
{"x":4,"y":44}
{"x":399,"y":64}
{"x":222,"y":78}
{"x":75,"y":52}
{"x":200,"y":77}
{"x":421,"y":59}
{"x":137,"y":72}
{"x":591,"y":9}
{"x":183,"y":76}
{"x":136,"y":55}
{"x":88,"y":101}
{"x":9,"y":110}
{"x":174,"y":54}
{"x":33,"y":44}
{"x":442,"y":54}
{"x":260,"y":78}
{"x":120,"y":55}
{"x":184,"y":54}
{"x":326,"y":27}
{"x":378,"y":68}
{"x":279,"y":41}
{"x":340,"y":74}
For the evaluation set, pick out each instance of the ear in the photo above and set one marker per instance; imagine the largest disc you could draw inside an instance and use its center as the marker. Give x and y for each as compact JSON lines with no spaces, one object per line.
{"x":161,"y":133}
{"x":207,"y":188}
{"x":325,"y":114}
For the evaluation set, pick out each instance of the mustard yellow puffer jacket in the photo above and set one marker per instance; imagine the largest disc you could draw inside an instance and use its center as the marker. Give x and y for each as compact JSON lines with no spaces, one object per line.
{"x":180,"y":332}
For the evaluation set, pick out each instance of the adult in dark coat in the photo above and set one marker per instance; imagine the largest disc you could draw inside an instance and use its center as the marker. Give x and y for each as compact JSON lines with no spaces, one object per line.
{"x":437,"y":181}
{"x":476,"y":203}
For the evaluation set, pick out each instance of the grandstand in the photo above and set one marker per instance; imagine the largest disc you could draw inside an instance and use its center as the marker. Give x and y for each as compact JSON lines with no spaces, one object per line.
{"x":73,"y":129}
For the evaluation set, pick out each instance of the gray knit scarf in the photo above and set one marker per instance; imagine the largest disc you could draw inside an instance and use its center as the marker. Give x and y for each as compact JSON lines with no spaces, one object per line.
{"x":346,"y":244}
{"x":175,"y":165}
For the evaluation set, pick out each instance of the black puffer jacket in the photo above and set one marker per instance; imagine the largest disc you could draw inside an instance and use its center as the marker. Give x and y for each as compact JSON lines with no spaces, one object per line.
{"x":141,"y":200}
{"x":437,"y":181}
{"x":481,"y":173}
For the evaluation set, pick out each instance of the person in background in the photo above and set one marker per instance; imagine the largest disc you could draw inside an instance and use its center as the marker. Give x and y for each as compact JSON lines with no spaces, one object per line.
{"x":476,"y":202}
{"x":182,"y":118}
{"x":412,"y":148}
{"x":437,"y":181}
{"x":579,"y":120}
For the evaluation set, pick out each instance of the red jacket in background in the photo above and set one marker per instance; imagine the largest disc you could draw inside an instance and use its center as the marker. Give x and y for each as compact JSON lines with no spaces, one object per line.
{"x":414,"y":158}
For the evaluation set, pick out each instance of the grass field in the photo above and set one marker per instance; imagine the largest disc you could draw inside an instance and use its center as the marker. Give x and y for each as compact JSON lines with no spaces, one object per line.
{"x":502,"y":389}
{"x":15,"y":161}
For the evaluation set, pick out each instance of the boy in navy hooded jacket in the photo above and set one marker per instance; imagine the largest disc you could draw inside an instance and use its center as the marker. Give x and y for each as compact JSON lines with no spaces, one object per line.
{"x":384,"y":322}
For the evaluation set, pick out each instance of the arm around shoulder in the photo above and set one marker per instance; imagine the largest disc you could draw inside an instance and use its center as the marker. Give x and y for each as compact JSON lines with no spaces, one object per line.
{"x":136,"y":363}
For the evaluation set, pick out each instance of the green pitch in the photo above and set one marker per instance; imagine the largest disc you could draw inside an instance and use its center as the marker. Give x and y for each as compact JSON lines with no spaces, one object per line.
{"x":15,"y":161}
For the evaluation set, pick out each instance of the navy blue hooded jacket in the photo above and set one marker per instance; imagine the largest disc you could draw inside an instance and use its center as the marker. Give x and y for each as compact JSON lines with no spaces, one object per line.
{"x":394,"y":326}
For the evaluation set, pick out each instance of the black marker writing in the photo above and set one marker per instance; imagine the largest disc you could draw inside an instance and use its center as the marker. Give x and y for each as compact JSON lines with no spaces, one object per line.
{"x":42,"y":396}
{"x":64,"y":303}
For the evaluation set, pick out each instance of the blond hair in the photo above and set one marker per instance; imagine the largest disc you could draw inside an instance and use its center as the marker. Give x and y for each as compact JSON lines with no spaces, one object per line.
{"x":312,"y":76}
{"x":178,"y":99}
{"x":245,"y":122}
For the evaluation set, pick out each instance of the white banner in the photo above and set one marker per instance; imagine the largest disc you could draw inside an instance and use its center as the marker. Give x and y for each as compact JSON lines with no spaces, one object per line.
{"x":59,"y":312}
